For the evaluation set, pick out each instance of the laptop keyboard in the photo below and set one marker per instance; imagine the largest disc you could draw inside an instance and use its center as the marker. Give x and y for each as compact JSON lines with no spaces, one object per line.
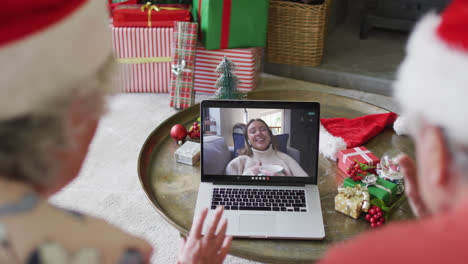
{"x":259,"y":199}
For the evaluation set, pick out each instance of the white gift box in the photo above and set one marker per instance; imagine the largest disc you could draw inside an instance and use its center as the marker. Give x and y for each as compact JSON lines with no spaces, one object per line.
{"x":188,"y":153}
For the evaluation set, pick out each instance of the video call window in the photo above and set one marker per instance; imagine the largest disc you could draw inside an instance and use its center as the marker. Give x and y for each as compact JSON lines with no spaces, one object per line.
{"x":259,"y":141}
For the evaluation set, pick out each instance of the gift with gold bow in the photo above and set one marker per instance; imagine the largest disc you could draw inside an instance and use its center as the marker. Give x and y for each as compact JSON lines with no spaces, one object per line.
{"x":378,"y":187}
{"x":352,"y":201}
{"x":148,"y":15}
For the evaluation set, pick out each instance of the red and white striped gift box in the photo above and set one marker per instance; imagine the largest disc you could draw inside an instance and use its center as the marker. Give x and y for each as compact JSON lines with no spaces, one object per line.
{"x":145,"y":57}
{"x":247,"y":61}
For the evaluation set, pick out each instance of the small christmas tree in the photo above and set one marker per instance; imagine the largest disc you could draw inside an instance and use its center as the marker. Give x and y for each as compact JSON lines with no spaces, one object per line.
{"x":227,"y":82}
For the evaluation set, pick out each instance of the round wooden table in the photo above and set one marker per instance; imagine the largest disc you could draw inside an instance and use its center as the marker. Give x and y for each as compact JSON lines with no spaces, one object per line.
{"x":172,"y":187}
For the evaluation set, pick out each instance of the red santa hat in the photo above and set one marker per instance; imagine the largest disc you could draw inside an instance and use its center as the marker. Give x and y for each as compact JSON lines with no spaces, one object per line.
{"x":432,"y":81}
{"x":341,"y":133}
{"x":46,"y":46}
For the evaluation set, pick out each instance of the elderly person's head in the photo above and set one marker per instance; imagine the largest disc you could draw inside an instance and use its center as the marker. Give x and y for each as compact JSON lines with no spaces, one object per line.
{"x":432,"y":88}
{"x":54,"y":73}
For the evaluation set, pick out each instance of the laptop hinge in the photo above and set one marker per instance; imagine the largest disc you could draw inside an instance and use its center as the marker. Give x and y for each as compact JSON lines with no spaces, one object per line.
{"x":259,"y":183}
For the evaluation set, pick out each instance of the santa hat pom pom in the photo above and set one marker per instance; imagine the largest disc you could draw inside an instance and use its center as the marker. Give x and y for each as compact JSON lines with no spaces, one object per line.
{"x":400,"y":126}
{"x":329,"y":145}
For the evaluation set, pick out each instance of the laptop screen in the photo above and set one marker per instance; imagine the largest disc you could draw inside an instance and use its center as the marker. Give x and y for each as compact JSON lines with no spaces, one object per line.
{"x":259,"y":141}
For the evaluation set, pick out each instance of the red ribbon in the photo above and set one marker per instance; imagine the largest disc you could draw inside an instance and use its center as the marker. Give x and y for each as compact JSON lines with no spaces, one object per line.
{"x":225,"y":24}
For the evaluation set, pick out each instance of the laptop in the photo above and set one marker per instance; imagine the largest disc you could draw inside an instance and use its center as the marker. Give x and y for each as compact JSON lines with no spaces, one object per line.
{"x":259,"y":159}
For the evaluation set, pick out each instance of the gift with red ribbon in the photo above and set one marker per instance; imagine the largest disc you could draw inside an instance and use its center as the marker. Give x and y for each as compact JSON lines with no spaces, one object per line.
{"x":183,"y":64}
{"x":150,"y":15}
{"x":231,"y":23}
{"x":358,"y":154}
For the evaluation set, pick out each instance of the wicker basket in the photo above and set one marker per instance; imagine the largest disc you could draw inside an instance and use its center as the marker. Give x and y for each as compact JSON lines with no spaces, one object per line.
{"x":296,"y":32}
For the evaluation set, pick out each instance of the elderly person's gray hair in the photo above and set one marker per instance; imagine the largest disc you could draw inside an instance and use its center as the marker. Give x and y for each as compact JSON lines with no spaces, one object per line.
{"x":27,"y":142}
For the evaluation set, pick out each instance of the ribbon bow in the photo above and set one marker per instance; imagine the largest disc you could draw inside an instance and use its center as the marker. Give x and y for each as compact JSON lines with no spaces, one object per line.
{"x":358,"y":192}
{"x":180,"y":68}
{"x":371,"y":180}
{"x":148,"y":6}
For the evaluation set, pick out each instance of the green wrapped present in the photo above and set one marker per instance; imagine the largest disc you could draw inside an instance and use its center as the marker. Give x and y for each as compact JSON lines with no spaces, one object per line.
{"x":231,"y":23}
{"x":378,"y":187}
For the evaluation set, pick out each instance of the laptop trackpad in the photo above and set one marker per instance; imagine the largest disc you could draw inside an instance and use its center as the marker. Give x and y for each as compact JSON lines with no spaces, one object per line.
{"x":257,"y":224}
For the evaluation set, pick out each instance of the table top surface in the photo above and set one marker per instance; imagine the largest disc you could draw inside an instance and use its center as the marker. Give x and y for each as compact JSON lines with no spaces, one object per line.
{"x":172,"y":187}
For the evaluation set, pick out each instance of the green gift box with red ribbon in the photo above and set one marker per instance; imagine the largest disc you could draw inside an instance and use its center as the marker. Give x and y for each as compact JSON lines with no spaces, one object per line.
{"x":381,"y":189}
{"x":231,"y":23}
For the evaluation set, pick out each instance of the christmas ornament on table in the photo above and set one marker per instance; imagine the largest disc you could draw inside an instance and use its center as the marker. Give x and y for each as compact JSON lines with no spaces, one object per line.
{"x":194,"y":131}
{"x":227,"y":82}
{"x":389,"y":169}
{"x":179,"y":133}
{"x":375,"y":216}
{"x":248,"y":63}
{"x":341,"y":133}
{"x":377,"y":187}
{"x":358,"y":158}
{"x":357,"y":170}
{"x":352,"y":201}
{"x":188,"y":153}
{"x":231,"y":24}
{"x":150,"y":15}
{"x":144,"y":56}
{"x":183,"y":65}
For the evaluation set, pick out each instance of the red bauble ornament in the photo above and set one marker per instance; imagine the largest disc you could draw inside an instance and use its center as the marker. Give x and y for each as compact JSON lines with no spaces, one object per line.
{"x":178,"y":133}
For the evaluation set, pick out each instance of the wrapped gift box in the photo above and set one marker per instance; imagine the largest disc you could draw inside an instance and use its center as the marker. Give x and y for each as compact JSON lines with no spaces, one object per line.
{"x":351,"y":201}
{"x":145,"y":58}
{"x":183,"y":65}
{"x":384,"y":190}
{"x":113,"y":4}
{"x":188,"y":153}
{"x":360,"y":154}
{"x":232,"y":24}
{"x":150,"y":15}
{"x":248,"y":67}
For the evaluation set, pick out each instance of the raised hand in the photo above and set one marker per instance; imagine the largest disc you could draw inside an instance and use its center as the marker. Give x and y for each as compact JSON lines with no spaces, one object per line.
{"x":211,"y":248}
{"x":409,"y":170}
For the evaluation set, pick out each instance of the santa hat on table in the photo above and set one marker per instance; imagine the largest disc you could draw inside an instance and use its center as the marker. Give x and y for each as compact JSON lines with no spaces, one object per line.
{"x":46,"y":46}
{"x":341,"y":133}
{"x":432,"y":81}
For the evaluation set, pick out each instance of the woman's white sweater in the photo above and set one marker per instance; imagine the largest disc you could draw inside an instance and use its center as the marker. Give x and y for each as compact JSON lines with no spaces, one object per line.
{"x":245,"y":165}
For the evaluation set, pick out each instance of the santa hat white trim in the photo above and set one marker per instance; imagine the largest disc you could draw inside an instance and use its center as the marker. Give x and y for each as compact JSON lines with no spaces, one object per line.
{"x":432,"y":81}
{"x":329,"y":145}
{"x":47,"y":63}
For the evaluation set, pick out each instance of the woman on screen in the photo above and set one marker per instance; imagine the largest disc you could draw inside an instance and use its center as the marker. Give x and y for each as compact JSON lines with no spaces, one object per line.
{"x":260,"y":156}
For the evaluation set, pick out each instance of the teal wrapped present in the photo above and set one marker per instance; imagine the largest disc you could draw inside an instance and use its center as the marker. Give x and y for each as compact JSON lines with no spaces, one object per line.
{"x":378,"y":188}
